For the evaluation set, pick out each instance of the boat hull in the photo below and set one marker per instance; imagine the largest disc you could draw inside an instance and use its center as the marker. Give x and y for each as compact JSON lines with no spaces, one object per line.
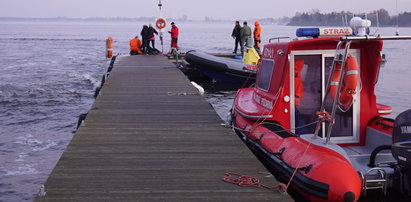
{"x":316,"y":179}
{"x":283,"y":172}
{"x":221,"y":69}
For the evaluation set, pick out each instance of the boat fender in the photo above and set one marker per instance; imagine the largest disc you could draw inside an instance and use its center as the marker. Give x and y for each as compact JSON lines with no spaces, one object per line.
{"x":97,"y":92}
{"x":375,"y":152}
{"x":349,"y":85}
{"x":199,"y":88}
{"x":103,"y":80}
{"x":81,"y":119}
{"x":110,"y":67}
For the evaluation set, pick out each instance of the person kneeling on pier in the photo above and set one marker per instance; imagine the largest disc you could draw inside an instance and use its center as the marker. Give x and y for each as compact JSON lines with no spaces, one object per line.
{"x":135,"y":46}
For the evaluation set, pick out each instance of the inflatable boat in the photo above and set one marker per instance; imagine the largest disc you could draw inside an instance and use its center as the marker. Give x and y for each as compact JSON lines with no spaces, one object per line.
{"x":221,"y":69}
{"x":312,"y":118}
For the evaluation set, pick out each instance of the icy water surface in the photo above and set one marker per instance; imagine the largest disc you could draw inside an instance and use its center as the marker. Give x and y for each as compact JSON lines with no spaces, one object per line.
{"x":50,"y":70}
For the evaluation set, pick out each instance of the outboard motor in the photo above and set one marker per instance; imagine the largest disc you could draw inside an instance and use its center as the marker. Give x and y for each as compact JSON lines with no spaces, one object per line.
{"x":401,"y":150}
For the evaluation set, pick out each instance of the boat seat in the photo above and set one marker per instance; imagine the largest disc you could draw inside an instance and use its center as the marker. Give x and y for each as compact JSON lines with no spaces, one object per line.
{"x":360,"y":155}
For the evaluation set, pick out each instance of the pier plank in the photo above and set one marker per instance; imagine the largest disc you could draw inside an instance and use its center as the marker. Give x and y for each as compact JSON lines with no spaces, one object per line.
{"x":150,"y":136}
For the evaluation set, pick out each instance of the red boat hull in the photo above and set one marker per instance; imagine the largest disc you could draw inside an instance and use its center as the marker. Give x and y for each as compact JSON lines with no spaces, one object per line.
{"x":322,"y":175}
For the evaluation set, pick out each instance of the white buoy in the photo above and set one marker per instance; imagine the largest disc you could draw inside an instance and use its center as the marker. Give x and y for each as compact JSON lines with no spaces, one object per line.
{"x":42,"y":191}
{"x":200,"y":89}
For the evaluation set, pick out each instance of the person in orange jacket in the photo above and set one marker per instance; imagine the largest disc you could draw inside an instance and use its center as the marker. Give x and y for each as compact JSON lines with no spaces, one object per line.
{"x":135,"y":46}
{"x":298,"y":81}
{"x":257,"y":38}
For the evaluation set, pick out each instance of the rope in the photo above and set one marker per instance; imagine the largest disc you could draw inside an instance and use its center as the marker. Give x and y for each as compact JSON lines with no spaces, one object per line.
{"x":298,"y":165}
{"x":180,"y":93}
{"x":248,"y":181}
{"x":243,"y":180}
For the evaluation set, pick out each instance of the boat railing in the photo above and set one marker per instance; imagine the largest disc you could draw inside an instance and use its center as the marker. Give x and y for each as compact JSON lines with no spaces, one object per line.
{"x":278,"y":38}
{"x":375,"y":178}
{"x":378,"y":37}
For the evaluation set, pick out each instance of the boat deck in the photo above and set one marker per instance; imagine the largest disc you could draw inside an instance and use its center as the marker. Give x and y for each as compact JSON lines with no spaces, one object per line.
{"x":150,"y":136}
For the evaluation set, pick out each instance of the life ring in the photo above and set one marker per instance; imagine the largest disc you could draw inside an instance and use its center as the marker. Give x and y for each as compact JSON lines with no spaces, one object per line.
{"x":349,"y":84}
{"x":109,"y":47}
{"x":161,"y":23}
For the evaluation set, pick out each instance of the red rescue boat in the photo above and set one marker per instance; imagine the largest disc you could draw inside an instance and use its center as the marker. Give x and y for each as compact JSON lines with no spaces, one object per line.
{"x":313,"y":121}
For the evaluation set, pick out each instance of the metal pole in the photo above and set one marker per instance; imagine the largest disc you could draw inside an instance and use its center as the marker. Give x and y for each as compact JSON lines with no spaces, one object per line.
{"x":327,"y":90}
{"x":337,"y":96}
{"x":365,"y":38}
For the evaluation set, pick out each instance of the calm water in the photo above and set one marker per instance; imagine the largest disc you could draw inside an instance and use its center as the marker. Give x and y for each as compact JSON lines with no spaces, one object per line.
{"x":50,"y":70}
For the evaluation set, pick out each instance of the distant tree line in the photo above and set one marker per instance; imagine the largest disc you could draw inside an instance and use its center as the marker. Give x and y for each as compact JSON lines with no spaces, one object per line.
{"x":315,"y":18}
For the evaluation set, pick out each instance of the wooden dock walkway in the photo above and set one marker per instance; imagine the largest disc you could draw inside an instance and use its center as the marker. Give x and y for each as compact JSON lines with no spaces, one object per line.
{"x":150,"y":136}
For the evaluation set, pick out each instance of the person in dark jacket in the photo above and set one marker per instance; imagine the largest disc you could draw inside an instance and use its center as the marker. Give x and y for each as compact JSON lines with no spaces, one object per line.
{"x":144,"y":39}
{"x":237,"y":36}
{"x":246,"y":35}
{"x":151,"y":32}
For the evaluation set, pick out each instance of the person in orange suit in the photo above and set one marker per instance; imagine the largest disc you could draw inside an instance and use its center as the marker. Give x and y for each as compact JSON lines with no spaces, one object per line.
{"x":135,"y":46}
{"x":298,"y":94}
{"x":257,"y":38}
{"x":298,"y":81}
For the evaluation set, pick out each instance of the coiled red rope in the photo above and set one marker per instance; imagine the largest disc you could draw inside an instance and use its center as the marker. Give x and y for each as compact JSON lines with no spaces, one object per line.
{"x":248,"y":181}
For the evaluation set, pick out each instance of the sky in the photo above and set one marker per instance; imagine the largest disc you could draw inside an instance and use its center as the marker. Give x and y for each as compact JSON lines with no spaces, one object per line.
{"x":193,"y":9}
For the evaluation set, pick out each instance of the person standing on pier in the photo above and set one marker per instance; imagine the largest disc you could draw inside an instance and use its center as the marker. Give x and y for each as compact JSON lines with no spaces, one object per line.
{"x":135,"y":45}
{"x":144,"y":38}
{"x":257,"y":38}
{"x":174,"y":36}
{"x":237,"y":36}
{"x":151,"y":36}
{"x":246,"y":35}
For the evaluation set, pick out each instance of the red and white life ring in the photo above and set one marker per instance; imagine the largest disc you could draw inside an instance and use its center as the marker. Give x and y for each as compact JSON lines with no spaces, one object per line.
{"x":161,"y":23}
{"x":349,"y":83}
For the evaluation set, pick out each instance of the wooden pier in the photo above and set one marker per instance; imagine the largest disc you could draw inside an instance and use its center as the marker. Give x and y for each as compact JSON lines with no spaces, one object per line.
{"x":150,"y":136}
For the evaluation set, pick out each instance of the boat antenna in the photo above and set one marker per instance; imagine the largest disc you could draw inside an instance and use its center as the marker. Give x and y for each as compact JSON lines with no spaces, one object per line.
{"x":343,"y":21}
{"x":378,"y":22}
{"x":161,"y":31}
{"x":346,"y":20}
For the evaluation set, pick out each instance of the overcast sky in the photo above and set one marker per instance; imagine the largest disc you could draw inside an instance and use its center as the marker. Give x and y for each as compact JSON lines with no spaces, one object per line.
{"x":194,"y":9}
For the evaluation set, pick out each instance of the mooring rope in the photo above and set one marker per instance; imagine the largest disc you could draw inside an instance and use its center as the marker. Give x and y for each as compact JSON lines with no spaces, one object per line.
{"x":248,"y":181}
